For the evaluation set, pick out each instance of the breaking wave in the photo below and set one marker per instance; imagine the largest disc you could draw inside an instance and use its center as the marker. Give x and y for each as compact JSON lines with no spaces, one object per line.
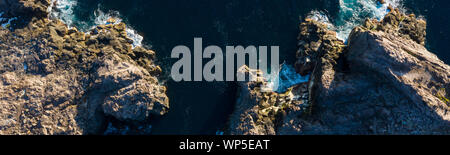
{"x":353,"y":13}
{"x":63,"y":10}
{"x":102,"y":18}
{"x":285,"y":79}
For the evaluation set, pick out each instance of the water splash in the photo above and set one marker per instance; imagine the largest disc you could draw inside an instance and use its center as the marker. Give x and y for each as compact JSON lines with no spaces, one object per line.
{"x":63,"y":10}
{"x":354,"y":12}
{"x":319,"y":16}
{"x":285,"y":79}
{"x":101,"y":18}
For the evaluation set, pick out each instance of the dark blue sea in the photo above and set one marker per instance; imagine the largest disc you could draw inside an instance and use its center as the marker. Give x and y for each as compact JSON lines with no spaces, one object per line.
{"x":203,"y":107}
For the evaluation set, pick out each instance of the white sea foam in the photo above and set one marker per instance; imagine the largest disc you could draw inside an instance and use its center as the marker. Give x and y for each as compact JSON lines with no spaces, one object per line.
{"x":353,"y":13}
{"x":286,"y":78}
{"x":102,"y":18}
{"x":63,"y":10}
{"x":133,"y":35}
{"x":319,"y":16}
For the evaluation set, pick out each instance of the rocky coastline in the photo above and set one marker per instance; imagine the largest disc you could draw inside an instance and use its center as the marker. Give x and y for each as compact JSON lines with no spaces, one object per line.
{"x":58,"y":80}
{"x":383,"y":81}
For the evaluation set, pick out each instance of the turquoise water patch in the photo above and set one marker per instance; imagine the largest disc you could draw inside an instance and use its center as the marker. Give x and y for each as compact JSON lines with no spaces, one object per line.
{"x":354,"y":12}
{"x":285,"y":79}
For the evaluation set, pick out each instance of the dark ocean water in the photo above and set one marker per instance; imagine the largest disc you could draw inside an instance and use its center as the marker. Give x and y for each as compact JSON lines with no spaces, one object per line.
{"x":437,"y":14}
{"x":202,"y":107}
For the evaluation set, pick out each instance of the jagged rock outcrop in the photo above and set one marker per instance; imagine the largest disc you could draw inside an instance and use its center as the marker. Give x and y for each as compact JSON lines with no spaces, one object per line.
{"x":254,"y":113}
{"x":259,"y":110}
{"x":316,"y":43}
{"x":383,"y":82}
{"x":398,"y":23}
{"x":25,"y":8}
{"x":56,"y":80}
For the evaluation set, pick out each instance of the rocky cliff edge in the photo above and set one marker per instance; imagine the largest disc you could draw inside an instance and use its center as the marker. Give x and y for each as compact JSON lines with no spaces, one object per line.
{"x":384,"y":81}
{"x":58,"y":80}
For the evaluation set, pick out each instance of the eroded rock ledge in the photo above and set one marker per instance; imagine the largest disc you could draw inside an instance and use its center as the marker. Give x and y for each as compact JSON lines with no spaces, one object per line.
{"x":56,"y":80}
{"x":260,"y":111}
{"x":384,"y":82}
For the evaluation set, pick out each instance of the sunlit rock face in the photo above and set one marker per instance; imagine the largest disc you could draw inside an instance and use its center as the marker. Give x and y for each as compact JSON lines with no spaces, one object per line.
{"x":259,"y":109}
{"x":58,"y":80}
{"x":384,"y":81}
